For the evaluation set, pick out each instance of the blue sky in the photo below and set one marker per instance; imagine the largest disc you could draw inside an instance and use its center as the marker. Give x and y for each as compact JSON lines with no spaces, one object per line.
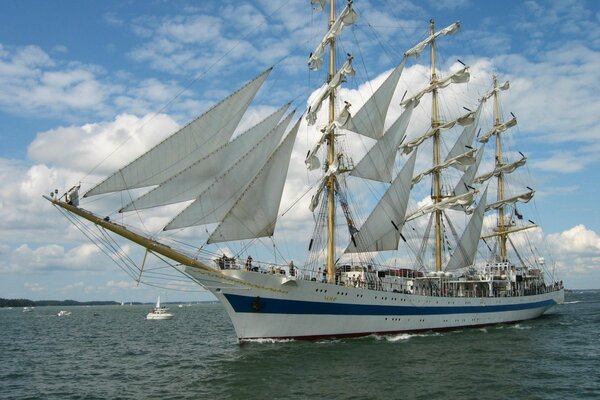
{"x":78,"y":78}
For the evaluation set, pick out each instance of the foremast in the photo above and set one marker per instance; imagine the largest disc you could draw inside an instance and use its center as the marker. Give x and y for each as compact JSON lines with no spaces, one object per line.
{"x":335,"y":77}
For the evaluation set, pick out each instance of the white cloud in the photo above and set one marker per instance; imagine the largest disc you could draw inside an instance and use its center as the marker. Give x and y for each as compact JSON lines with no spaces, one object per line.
{"x":35,"y":287}
{"x":81,"y":148}
{"x":32,"y":82}
{"x":577,"y":240}
{"x":50,"y":257}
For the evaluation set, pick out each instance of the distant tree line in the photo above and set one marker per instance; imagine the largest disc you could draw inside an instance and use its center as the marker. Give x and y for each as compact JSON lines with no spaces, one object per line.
{"x":41,"y":303}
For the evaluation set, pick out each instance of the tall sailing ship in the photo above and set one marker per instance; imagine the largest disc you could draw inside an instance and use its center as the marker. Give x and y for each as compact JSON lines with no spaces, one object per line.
{"x":455,"y":274}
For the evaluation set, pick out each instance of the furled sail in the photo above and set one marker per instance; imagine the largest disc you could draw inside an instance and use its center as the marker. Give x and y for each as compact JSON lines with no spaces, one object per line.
{"x":326,"y":89}
{"x":464,"y":200}
{"x":503,"y":169}
{"x":498,"y":129}
{"x":466,"y":180}
{"x":378,"y":163}
{"x":381,"y":230}
{"x":464,"y":159}
{"x":460,"y":76}
{"x":332,"y":169}
{"x":193,"y":180}
{"x":416,"y":50}
{"x":522,"y":198}
{"x":464,"y":120}
{"x":217,"y":199}
{"x":504,"y":86}
{"x":369,"y":119}
{"x":254,"y":213}
{"x":346,"y":18}
{"x":466,"y":249}
{"x":465,"y":140}
{"x":343,"y":120}
{"x":200,"y":137}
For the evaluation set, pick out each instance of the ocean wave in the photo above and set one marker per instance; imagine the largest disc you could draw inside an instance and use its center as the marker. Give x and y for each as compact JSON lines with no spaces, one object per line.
{"x":521,"y":327}
{"x":268,"y":341}
{"x":406,"y":336}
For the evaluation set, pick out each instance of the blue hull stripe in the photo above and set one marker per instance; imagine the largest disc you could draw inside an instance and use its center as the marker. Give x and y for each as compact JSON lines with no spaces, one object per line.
{"x":247,"y":304}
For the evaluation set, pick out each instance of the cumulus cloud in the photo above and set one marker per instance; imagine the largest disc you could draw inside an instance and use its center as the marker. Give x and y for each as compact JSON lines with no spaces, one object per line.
{"x":80,"y":148}
{"x":553,"y":93}
{"x":34,"y":83}
{"x":578,"y":239}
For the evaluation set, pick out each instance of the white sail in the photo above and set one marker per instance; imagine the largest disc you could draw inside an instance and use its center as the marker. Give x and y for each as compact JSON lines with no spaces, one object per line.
{"x":381,"y":230}
{"x":466,"y":249}
{"x":346,"y":18}
{"x":318,"y":4}
{"x":464,"y":159}
{"x":504,"y":86}
{"x":466,"y":180}
{"x":416,"y":50}
{"x":217,"y":199}
{"x":463,"y":120}
{"x":460,"y":76}
{"x":378,"y":163}
{"x":464,"y":200}
{"x":192,"y":181}
{"x":503,"y":169}
{"x":369,"y":119}
{"x":255,"y":211}
{"x":332,"y":169}
{"x":326,"y":89}
{"x":467,"y":136}
{"x":190,"y":143}
{"x":343,"y":120}
{"x":521,"y":198}
{"x":498,"y":129}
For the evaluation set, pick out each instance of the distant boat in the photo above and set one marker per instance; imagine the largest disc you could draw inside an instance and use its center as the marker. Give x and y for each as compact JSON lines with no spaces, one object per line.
{"x":63,"y":313}
{"x":159,"y":312}
{"x":28,"y":309}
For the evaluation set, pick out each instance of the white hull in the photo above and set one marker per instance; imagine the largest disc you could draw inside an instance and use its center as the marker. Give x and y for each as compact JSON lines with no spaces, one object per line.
{"x":159,"y":316}
{"x":275,"y":306}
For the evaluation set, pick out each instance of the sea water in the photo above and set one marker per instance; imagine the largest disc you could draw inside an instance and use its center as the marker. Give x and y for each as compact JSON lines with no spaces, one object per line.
{"x":112,"y":352}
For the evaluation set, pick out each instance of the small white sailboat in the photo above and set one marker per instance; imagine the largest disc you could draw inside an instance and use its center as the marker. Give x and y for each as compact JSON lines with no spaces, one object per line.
{"x":63,"y":313}
{"x":159,"y":312}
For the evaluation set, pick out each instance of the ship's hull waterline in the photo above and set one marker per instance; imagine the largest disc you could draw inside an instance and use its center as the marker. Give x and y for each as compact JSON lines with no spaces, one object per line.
{"x":266,"y":306}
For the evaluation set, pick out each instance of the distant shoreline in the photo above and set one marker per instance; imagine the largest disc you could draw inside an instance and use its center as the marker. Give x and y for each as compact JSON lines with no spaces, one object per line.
{"x":43,"y":303}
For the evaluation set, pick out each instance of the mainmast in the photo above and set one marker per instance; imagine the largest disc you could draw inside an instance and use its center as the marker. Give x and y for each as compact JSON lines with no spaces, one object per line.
{"x":331,"y":158}
{"x":501,"y":226}
{"x":437,"y":195}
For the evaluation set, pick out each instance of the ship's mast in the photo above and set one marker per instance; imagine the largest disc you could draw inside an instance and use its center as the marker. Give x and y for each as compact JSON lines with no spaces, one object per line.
{"x":331,"y":159}
{"x":437,"y":195}
{"x":497,"y":123}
